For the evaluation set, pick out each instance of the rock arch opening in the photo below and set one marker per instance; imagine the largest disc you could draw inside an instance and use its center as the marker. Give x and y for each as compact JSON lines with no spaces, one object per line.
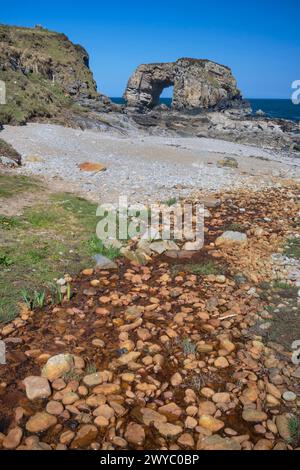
{"x":158,"y":89}
{"x":166,"y":96}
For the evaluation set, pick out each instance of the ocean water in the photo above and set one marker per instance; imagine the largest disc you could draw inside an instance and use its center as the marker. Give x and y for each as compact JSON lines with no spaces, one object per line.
{"x":280,"y":109}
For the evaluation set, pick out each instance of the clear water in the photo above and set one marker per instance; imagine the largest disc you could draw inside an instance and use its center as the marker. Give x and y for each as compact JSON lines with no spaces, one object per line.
{"x":280,"y":109}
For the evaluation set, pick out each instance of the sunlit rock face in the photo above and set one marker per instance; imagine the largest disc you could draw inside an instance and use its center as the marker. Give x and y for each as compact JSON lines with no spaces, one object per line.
{"x":197,"y":84}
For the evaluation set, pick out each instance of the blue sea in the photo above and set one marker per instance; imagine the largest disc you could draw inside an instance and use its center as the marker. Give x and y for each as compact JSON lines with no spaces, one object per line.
{"x":280,"y":109}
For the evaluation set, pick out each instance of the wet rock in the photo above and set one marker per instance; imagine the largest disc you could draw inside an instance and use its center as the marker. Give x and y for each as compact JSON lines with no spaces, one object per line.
{"x":171,"y":411}
{"x":66,"y":437}
{"x":104,"y":410}
{"x":210,"y":423}
{"x":101,"y":421}
{"x":69,"y":398}
{"x":226,"y":344}
{"x":40,"y":422}
{"x":54,"y":408}
{"x":282,"y":423}
{"x":135,"y":434}
{"x":13,"y":438}
{"x":186,"y":440}
{"x":148,"y":416}
{"x":254,"y":416}
{"x":84,"y":437}
{"x":57,"y":366}
{"x":93,"y":379}
{"x":217,"y":442}
{"x":37,"y":387}
{"x":167,"y":430}
{"x":129,"y":357}
{"x":263,"y":444}
{"x":250,"y":395}
{"x":221,"y":397}
{"x":107,"y":389}
{"x":176,"y":379}
{"x":207,"y":408}
{"x":221,"y":363}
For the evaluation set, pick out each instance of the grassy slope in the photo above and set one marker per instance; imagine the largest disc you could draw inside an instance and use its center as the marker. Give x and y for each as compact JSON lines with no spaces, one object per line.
{"x":30,"y":93}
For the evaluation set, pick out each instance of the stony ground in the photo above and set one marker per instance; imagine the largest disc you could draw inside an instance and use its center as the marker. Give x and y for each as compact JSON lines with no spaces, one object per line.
{"x":142,"y":166}
{"x":191,"y":351}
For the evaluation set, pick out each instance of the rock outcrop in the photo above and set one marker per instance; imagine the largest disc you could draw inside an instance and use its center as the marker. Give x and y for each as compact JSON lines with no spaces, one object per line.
{"x":44,"y":72}
{"x":197,"y":84}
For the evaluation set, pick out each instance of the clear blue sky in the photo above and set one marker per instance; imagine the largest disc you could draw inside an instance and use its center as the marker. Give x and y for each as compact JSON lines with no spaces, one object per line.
{"x":258,"y":39}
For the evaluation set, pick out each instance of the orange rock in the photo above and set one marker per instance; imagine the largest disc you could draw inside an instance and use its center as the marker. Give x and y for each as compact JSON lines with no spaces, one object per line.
{"x":90,"y":166}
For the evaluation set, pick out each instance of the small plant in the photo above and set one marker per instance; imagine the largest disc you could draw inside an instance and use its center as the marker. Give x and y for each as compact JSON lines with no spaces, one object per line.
{"x":69,"y":292}
{"x":7,"y":223}
{"x":203,"y":269}
{"x":197,"y":382}
{"x":294,"y":430}
{"x":188,"y":347}
{"x":70,"y":375}
{"x":91,"y":368}
{"x":27,"y":298}
{"x":277,"y":284}
{"x":97,"y":246}
{"x":264,"y":285}
{"x":5,"y":260}
{"x":171,"y":202}
{"x":39,"y":299}
{"x":56,"y":294}
{"x":32,"y":300}
{"x":292,"y":248}
{"x":235,"y":227}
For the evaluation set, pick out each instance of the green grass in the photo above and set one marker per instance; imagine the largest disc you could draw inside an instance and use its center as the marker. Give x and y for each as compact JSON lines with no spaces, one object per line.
{"x":188,"y":347}
{"x":7,"y":312}
{"x":294,"y":430}
{"x":7,"y":223}
{"x":91,"y":368}
{"x":292,"y":248}
{"x":96,"y":246}
{"x":48,"y":240}
{"x":281,"y":285}
{"x":11,"y":185}
{"x":203,"y":269}
{"x":234,"y":227}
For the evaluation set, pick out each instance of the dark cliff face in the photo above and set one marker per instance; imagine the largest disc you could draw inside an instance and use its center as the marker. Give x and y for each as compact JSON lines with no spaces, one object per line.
{"x":43,"y":72}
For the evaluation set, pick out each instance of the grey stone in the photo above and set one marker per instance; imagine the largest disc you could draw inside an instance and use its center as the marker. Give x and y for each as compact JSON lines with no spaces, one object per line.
{"x":102,"y":262}
{"x":289,"y":396}
{"x":232,"y":237}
